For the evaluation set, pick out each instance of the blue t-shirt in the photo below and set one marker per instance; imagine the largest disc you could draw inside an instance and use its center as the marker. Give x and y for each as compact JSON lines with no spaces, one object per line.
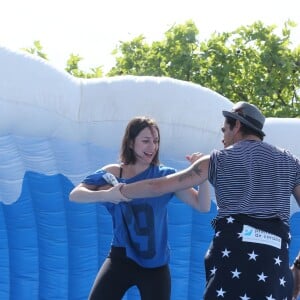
{"x":141,"y":225}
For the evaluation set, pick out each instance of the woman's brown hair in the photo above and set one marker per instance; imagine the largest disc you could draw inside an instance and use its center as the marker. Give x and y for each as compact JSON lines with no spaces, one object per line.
{"x":134,"y":127}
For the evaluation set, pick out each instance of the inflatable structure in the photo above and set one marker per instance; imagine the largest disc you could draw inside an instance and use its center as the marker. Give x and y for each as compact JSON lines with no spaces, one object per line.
{"x":54,"y":130}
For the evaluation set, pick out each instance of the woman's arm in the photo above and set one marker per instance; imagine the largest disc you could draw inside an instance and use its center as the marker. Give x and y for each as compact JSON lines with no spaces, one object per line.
{"x":198,"y":199}
{"x":89,"y":193}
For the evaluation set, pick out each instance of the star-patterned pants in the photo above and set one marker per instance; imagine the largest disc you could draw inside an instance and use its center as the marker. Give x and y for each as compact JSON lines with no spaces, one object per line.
{"x":248,"y":259}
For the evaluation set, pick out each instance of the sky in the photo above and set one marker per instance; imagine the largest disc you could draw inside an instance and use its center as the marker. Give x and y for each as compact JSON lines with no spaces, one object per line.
{"x":93,"y":28}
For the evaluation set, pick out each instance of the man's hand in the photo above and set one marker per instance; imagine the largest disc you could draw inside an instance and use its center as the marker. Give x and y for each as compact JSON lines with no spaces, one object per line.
{"x":114,"y":194}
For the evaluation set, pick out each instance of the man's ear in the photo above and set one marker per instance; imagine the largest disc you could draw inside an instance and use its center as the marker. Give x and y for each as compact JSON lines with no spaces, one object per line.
{"x":237,"y":126}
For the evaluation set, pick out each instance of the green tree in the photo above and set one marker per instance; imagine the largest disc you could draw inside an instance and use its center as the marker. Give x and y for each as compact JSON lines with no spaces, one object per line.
{"x":181,"y":50}
{"x":131,"y":58}
{"x":175,"y":56}
{"x":73,"y":69}
{"x":254,"y":64}
{"x":37,"y":50}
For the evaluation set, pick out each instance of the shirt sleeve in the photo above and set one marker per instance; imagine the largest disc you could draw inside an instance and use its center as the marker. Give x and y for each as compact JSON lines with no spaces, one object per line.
{"x":297,"y":171}
{"x":212,"y":168}
{"x":95,"y":178}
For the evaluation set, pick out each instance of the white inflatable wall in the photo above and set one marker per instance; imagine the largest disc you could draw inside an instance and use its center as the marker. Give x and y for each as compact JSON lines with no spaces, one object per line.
{"x":54,"y":130}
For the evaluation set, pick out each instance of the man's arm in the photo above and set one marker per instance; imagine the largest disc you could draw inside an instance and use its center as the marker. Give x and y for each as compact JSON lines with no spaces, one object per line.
{"x":194,"y":175}
{"x":84,"y":193}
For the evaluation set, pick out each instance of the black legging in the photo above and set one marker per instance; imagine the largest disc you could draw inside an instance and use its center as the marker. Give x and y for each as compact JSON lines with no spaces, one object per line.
{"x":119,"y":273}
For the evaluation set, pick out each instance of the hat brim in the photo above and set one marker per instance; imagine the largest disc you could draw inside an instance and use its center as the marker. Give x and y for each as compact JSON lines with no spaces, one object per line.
{"x":242,"y":120}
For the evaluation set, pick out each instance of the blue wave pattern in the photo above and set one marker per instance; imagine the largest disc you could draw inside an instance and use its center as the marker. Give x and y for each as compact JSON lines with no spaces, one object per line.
{"x":51,"y":248}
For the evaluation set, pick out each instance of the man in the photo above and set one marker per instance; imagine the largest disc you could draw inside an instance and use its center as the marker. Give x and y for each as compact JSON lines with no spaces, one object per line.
{"x":253,"y":181}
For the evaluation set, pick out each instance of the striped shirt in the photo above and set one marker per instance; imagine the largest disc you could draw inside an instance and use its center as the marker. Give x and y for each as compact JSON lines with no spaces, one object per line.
{"x":254,"y":178}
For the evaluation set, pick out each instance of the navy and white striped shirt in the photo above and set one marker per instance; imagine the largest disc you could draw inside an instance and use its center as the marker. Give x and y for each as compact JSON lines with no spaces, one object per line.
{"x":254,"y":178}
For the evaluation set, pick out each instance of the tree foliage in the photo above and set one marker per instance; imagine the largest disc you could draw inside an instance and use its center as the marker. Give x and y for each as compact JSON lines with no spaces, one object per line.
{"x":73,"y":68}
{"x":254,"y":63}
{"x":37,"y":50}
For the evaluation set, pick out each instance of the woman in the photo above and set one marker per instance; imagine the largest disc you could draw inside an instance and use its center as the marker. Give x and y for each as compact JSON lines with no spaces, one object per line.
{"x":139,"y":254}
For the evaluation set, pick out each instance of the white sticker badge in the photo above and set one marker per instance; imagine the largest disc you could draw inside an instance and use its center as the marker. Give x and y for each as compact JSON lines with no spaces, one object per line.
{"x":254,"y":235}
